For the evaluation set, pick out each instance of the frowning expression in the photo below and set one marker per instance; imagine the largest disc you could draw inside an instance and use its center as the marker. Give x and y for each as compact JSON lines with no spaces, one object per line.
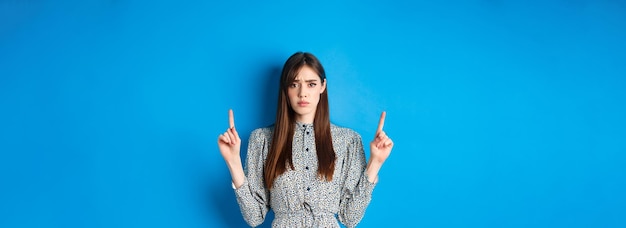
{"x":304,"y":94}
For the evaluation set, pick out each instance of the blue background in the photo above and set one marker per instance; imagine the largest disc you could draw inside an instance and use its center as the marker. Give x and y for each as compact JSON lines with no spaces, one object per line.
{"x":503,"y":113}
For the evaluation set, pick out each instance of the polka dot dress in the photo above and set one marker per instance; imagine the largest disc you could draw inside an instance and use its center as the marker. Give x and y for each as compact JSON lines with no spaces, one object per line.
{"x":299,"y":197}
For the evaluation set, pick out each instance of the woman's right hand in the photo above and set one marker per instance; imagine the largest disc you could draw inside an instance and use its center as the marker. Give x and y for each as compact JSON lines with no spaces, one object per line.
{"x":229,"y":142}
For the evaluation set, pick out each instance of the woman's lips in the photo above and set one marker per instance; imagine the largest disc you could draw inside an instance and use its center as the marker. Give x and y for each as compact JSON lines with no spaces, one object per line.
{"x":302,"y":103}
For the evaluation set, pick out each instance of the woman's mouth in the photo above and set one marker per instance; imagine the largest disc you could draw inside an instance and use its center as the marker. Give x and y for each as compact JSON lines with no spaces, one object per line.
{"x":302,"y":103}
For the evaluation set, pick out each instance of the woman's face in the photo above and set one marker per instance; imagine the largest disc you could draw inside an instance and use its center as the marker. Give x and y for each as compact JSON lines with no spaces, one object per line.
{"x":304,"y":94}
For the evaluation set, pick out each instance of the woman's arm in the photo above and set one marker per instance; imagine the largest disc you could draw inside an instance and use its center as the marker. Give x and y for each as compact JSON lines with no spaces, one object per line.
{"x":361,"y":178}
{"x":356,"y":192}
{"x":252,"y":197}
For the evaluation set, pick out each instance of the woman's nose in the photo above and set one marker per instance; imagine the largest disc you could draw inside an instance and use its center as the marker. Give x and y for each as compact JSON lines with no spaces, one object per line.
{"x":301,"y":93}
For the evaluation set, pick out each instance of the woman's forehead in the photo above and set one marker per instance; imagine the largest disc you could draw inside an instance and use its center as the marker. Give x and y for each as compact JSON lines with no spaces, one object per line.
{"x":306,"y":73}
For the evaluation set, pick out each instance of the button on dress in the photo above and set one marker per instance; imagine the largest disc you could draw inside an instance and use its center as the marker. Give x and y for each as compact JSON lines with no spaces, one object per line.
{"x":299,"y":198}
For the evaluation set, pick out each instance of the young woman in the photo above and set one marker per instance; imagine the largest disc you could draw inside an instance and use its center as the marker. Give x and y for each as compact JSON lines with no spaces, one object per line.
{"x":309,"y":171}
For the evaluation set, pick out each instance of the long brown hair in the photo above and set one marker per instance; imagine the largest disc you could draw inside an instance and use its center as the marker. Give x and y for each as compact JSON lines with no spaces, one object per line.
{"x":280,"y":153}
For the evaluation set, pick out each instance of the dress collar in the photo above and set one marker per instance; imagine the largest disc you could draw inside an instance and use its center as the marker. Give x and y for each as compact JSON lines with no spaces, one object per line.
{"x":300,"y":125}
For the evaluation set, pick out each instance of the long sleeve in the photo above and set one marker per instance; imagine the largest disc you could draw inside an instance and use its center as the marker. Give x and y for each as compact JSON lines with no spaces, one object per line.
{"x":252,"y":196}
{"x":356,"y":192}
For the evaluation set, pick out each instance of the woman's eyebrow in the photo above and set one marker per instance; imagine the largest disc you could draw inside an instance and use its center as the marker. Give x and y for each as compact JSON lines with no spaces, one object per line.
{"x":310,"y":80}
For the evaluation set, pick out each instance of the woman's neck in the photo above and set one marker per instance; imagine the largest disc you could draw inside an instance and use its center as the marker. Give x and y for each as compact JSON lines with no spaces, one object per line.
{"x":305,"y":119}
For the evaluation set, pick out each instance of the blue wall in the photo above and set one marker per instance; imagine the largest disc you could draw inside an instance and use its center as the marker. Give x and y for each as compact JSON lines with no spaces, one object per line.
{"x":503,"y":113}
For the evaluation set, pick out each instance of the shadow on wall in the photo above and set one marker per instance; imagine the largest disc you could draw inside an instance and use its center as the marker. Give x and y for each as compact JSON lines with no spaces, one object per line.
{"x":222,"y":199}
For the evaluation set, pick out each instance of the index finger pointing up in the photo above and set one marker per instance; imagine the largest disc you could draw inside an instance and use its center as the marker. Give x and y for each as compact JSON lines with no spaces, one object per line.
{"x":381,"y":122}
{"x":231,"y":118}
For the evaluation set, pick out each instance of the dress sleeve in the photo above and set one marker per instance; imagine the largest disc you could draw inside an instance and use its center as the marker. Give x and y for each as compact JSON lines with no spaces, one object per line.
{"x":357,"y":190}
{"x":252,"y":196}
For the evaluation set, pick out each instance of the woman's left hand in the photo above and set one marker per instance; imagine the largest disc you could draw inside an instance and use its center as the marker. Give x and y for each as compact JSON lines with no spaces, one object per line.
{"x":380,"y":147}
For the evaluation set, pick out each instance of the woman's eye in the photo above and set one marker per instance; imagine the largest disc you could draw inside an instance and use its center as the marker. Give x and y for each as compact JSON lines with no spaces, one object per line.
{"x":312,"y":85}
{"x":293,"y":85}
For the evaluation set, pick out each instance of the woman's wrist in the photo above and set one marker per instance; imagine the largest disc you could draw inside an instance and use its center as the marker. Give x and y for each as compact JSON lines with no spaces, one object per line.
{"x":373,"y":166}
{"x":236,"y":172}
{"x":234,"y":162}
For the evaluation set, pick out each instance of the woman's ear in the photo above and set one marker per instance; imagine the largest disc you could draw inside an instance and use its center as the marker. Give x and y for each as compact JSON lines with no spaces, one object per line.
{"x":323,"y":86}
